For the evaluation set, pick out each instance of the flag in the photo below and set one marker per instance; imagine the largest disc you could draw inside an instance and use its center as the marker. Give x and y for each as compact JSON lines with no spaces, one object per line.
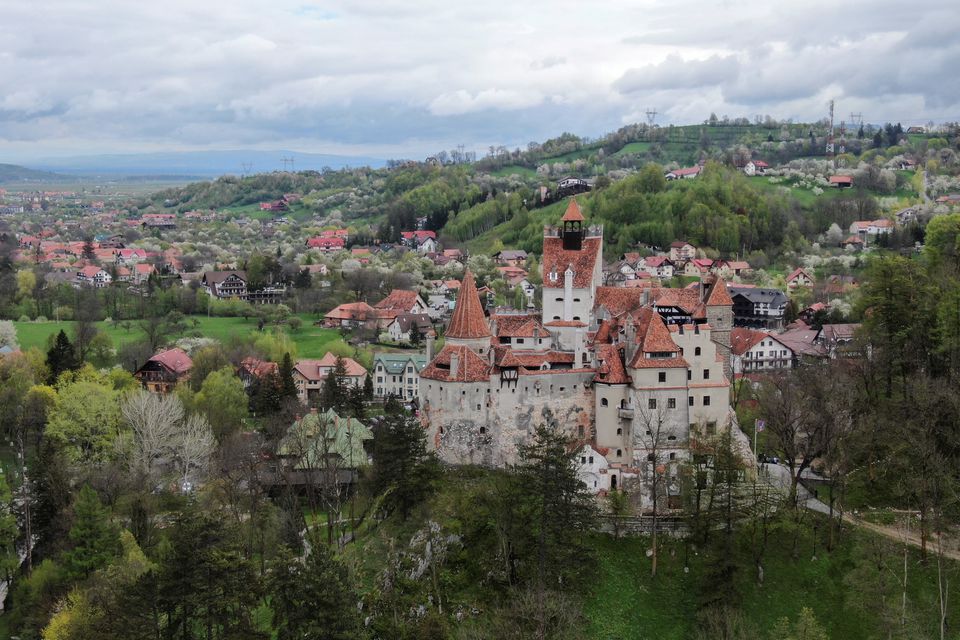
{"x":759,"y":424}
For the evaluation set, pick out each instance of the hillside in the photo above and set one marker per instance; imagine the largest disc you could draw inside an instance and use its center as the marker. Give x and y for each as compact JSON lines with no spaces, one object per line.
{"x":12,"y":173}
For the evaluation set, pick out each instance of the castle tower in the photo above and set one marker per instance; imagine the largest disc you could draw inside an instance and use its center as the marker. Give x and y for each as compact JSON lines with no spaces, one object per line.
{"x":468,"y":326}
{"x":720,"y":317}
{"x":572,"y":270}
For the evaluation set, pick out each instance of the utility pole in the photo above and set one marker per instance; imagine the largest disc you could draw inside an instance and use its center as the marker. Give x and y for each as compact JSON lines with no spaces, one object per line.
{"x":829,"y":148}
{"x":246,"y":167}
{"x":288,"y":164}
{"x":651,"y":116}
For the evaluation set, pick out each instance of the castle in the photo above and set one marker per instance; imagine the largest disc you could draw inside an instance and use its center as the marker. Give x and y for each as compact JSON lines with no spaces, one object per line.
{"x":630,"y":374}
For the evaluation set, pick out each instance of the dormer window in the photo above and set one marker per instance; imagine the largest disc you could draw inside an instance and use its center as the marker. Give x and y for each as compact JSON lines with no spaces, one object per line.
{"x":554,"y":276}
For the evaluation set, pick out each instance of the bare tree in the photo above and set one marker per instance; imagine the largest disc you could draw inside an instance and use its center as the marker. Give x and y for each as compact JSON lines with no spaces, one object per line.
{"x":651,"y":438}
{"x":193,"y":445}
{"x":154,"y":420}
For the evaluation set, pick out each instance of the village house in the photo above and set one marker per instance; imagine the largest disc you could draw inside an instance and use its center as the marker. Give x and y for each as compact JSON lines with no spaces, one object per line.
{"x":326,"y":244}
{"x":225,"y":284}
{"x":657,"y":266}
{"x":841,"y":182}
{"x":755,"y":168}
{"x":728,"y":269}
{"x":164,"y":371}
{"x":350,"y":315}
{"x":322,"y":445}
{"x":159,"y":220}
{"x":308,"y":375}
{"x":687,"y":173}
{"x":511,"y":257}
{"x":697,"y":267}
{"x":422,"y":241}
{"x":398,"y":375}
{"x":93,"y":276}
{"x":757,"y":307}
{"x":799,"y":277}
{"x":127,"y":257}
{"x":405,"y":325}
{"x":865,"y":229}
{"x":754,"y":351}
{"x":253,"y":369}
{"x":838,"y":339}
{"x":682,"y":251}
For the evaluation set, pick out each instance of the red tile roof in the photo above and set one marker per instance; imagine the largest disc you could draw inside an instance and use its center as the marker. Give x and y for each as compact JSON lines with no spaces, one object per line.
{"x":582,"y":262}
{"x":468,"y":320}
{"x":176,"y":360}
{"x":718,"y":296}
{"x":518,"y":326}
{"x":470,"y":366}
{"x":311,"y":369}
{"x":742,"y":340}
{"x":573,"y":213}
{"x":611,"y":369}
{"x":399,"y":299}
{"x":356,"y":311}
{"x":257,"y":367}
{"x":618,"y":300}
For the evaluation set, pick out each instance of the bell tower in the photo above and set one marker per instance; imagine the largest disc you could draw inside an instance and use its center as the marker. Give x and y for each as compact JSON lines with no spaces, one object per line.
{"x":573,"y":232}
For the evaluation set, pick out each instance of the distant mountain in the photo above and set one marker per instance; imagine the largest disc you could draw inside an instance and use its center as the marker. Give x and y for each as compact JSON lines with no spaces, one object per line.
{"x":12,"y":173}
{"x":201,"y":163}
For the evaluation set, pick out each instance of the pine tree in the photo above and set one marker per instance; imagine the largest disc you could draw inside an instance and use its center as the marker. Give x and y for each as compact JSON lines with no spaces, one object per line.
{"x":402,"y":467}
{"x":368,"y":388}
{"x":61,"y":357}
{"x":95,"y":539}
{"x":288,"y":388}
{"x":312,"y":598}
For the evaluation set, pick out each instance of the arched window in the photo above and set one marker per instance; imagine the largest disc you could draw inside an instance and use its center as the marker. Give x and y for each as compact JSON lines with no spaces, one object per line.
{"x":604,"y":402}
{"x":696,"y":351}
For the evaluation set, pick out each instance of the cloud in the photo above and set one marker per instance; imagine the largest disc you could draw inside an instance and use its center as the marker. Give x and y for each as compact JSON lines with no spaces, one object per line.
{"x":460,"y":102}
{"x":676,"y":73}
{"x":410,"y":78}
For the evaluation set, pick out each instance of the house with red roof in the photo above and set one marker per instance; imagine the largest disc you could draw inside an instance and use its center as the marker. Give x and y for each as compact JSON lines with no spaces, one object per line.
{"x":687,"y":173}
{"x":754,"y":351}
{"x":309,"y":375}
{"x":326,"y":244}
{"x":841,"y":182}
{"x":93,"y":276}
{"x":164,"y":371}
{"x":350,"y":315}
{"x":799,"y":277}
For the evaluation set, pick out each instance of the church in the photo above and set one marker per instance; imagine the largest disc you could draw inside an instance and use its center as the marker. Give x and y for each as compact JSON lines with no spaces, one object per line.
{"x":632,"y":376}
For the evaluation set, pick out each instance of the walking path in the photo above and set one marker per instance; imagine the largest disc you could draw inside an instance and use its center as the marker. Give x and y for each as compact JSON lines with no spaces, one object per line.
{"x":779,"y":476}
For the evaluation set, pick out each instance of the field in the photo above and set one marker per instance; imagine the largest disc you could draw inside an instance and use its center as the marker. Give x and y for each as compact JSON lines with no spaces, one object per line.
{"x":523,"y":172}
{"x":311,"y":341}
{"x":632,"y":148}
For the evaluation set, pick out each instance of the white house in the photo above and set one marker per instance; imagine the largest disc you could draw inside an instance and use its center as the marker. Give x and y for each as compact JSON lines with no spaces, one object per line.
{"x":593,"y":469}
{"x":752,"y":351}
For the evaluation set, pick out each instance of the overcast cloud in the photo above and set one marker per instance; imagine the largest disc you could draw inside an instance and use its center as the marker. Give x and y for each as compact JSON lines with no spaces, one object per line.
{"x":406,"y":78}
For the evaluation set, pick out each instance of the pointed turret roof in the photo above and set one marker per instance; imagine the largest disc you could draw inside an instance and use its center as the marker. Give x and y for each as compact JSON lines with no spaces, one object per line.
{"x":718,"y":295}
{"x":468,"y":320}
{"x":573,"y":213}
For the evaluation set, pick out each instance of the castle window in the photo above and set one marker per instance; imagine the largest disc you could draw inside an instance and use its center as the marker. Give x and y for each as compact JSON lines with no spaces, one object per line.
{"x":576,"y":299}
{"x":478,"y":407}
{"x":671,"y":403}
{"x":673,"y":456}
{"x":662,"y":376}
{"x":690,"y":401}
{"x":583,"y":459}
{"x":706,"y":374}
{"x":591,"y":459}
{"x":619,"y":431}
{"x":619,"y":453}
{"x":576,"y":317}
{"x":689,"y":374}
{"x":559,"y":300}
{"x":706,"y":401}
{"x":650,"y":457}
{"x":556,"y":317}
{"x":652,"y":403}
{"x":696,"y":351}
{"x":604,"y":402}
{"x":671,"y":438}
{"x":483,"y":430}
{"x":579,"y":431}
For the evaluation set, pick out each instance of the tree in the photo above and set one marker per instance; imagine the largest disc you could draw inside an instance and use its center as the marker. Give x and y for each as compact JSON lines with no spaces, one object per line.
{"x":95,"y":540}
{"x":805,"y":627}
{"x":312,"y":597}
{"x":368,"y":388}
{"x":85,"y":419}
{"x":61,"y":357}
{"x":288,"y":388}
{"x":206,"y":361}
{"x":223,"y":400}
{"x":8,"y":334}
{"x":9,"y":558}
{"x":403,"y":471}
{"x":559,"y":511}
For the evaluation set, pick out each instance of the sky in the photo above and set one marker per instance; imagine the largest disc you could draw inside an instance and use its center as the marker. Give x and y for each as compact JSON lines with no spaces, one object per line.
{"x":396,"y":79}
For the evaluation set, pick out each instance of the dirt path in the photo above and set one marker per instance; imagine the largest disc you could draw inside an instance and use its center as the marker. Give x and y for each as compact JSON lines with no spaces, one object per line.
{"x":899,"y":535}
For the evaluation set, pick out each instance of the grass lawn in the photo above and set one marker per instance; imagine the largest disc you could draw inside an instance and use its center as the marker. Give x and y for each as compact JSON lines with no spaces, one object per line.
{"x":632,"y":148}
{"x":523,"y":172}
{"x":311,"y":341}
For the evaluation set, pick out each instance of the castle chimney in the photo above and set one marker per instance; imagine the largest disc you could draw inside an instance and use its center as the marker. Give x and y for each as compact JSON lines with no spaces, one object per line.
{"x":454,"y":364}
